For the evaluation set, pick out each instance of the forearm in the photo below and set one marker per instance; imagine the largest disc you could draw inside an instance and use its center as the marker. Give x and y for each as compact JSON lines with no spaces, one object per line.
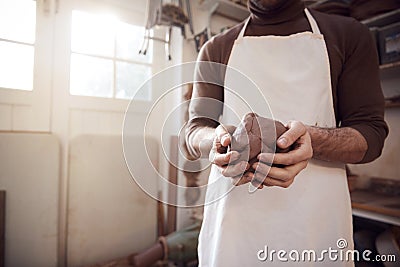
{"x":345,"y":144}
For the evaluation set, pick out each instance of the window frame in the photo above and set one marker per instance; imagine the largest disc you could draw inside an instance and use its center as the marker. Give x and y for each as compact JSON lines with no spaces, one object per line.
{"x":63,"y":51}
{"x":115,"y":59}
{"x":37,"y":101}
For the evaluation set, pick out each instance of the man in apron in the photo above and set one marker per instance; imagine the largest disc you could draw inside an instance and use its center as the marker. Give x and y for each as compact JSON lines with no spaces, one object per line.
{"x":320,"y":76}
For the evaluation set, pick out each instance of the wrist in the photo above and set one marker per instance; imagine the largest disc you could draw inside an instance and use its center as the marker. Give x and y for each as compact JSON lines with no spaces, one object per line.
{"x":203,"y":139}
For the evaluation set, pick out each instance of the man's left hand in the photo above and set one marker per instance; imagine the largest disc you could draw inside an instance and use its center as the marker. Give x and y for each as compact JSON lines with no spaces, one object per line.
{"x":293,"y":162}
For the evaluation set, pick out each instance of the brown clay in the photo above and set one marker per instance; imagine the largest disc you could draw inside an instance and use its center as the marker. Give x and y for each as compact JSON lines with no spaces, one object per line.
{"x":256,"y":134}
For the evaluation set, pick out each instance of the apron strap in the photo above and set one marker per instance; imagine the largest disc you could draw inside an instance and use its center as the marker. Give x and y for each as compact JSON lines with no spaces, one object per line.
{"x":311,"y":20}
{"x":241,"y":34}
{"x":313,"y":23}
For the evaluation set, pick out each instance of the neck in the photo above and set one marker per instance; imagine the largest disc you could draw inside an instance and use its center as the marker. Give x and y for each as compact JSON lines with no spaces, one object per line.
{"x":280,"y":12}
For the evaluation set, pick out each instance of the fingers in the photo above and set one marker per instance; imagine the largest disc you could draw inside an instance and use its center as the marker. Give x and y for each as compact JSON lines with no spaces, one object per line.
{"x":296,"y":130}
{"x":246,"y":178}
{"x":293,"y":161}
{"x":288,"y":173}
{"x":269,"y":176}
{"x":302,"y":151}
{"x":240,"y":180}
{"x":262,"y":168}
{"x":222,"y":135}
{"x":267,"y":158}
{"x":289,"y":158}
{"x":223,"y":159}
{"x":235,"y":169}
{"x":274,"y":176}
{"x":268,"y":181}
{"x":218,"y":153}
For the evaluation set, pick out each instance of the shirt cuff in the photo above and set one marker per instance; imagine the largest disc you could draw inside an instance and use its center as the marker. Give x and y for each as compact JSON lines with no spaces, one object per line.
{"x":374,"y":139}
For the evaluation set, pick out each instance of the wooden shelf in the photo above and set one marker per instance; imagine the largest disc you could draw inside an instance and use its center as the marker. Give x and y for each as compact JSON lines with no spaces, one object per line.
{"x":392,"y":105}
{"x":383,"y":19}
{"x":227,"y":9}
{"x":380,"y":204}
{"x":390,"y":65}
{"x":376,"y":216}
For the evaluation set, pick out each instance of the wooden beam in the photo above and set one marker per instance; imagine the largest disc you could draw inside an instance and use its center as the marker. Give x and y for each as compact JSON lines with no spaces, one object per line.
{"x":173,"y":179}
{"x":2,"y":226}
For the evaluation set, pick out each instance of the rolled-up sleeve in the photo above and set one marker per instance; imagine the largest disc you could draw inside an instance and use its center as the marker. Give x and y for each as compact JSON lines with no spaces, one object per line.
{"x":206,"y":104}
{"x":360,"y":100}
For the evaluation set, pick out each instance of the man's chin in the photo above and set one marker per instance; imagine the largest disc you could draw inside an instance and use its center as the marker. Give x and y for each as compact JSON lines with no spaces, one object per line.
{"x":268,"y":5}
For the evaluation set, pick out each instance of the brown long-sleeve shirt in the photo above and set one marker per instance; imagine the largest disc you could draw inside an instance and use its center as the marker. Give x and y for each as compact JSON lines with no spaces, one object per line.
{"x":357,"y":95}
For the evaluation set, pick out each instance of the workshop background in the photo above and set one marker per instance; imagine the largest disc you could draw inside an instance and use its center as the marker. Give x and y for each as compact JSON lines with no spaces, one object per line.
{"x":68,"y":69}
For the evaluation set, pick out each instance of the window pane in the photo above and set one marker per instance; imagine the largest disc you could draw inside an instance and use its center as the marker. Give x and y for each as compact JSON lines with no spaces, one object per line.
{"x":129,"y":79}
{"x":91,"y":76}
{"x":16,"y":66}
{"x":129,"y":42}
{"x":93,"y":34}
{"x":18,"y":20}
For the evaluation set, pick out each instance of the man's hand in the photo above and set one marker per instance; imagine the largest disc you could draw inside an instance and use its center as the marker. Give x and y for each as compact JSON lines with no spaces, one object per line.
{"x":222,"y":158}
{"x":293,"y":161}
{"x":255,"y":135}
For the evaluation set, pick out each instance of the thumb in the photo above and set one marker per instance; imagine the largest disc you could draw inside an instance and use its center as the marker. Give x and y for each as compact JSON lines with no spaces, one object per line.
{"x":296,"y":130}
{"x":223,"y":135}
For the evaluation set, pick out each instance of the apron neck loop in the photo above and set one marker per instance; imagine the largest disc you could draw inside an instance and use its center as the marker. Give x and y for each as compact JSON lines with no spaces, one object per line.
{"x":241,"y":34}
{"x":313,"y":23}
{"x":311,"y":20}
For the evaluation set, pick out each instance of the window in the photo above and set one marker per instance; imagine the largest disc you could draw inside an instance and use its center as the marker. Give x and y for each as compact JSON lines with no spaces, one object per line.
{"x":17,"y":43}
{"x":105,"y":60}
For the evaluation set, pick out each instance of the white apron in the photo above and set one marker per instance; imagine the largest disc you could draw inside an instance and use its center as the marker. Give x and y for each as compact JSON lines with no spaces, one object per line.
{"x":293,"y":74}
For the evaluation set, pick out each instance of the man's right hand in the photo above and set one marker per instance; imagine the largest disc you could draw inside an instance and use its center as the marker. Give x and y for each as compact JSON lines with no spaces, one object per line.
{"x":223,"y":158}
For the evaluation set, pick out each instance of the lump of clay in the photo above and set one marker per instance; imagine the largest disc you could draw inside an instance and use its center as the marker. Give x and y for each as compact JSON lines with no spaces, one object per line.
{"x":254,"y":135}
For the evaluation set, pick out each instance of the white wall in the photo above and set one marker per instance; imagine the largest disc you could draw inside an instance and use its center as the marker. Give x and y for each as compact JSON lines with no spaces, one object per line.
{"x":68,"y":118}
{"x":109,"y":216}
{"x":29,"y":170}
